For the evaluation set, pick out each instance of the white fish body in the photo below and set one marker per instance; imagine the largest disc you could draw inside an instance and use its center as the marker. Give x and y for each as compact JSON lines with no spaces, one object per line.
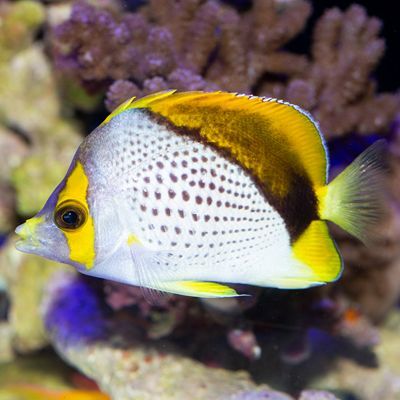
{"x":192,"y":210}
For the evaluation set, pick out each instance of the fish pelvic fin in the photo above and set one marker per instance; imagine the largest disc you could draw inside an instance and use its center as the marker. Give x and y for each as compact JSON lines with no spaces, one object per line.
{"x":315,"y":250}
{"x":353,"y":200}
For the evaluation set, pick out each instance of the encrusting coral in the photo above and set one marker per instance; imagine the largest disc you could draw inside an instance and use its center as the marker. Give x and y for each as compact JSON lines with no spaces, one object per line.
{"x":92,"y":49}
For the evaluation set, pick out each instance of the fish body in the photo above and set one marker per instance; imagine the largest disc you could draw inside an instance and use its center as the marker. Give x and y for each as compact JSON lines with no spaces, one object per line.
{"x":185,"y":192}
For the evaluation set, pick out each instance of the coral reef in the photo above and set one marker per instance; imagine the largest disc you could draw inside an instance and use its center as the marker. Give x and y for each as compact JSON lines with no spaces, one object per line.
{"x":123,"y":363}
{"x":204,"y":45}
{"x":366,"y":381}
{"x":37,"y":143}
{"x":58,"y":60}
{"x":24,"y":278}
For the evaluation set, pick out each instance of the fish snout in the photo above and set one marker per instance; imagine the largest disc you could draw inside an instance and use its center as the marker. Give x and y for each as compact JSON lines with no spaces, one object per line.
{"x":27,"y":234}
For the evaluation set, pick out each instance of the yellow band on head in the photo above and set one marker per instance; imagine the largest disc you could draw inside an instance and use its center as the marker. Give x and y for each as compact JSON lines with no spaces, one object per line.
{"x":81,"y":241}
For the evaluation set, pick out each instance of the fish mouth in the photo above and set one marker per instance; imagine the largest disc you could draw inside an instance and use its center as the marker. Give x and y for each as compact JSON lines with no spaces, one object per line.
{"x":26,"y":241}
{"x":27,"y":245}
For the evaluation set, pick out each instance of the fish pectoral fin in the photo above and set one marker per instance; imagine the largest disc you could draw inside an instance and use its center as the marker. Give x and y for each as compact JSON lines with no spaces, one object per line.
{"x":199,"y":289}
{"x":146,"y":264}
{"x":315,"y":255}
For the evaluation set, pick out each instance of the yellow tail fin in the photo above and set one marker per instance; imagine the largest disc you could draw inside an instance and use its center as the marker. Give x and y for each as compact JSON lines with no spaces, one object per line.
{"x":353,"y":199}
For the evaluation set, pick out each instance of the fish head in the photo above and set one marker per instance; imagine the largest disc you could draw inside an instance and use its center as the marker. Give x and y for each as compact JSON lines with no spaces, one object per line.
{"x":75,"y":226}
{"x":42,"y":236}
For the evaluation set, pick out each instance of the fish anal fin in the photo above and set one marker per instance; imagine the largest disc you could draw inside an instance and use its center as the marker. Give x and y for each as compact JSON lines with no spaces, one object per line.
{"x":199,"y":289}
{"x":316,"y":250}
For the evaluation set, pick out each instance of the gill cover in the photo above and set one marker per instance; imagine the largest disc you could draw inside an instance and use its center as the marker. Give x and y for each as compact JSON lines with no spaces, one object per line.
{"x":81,"y":241}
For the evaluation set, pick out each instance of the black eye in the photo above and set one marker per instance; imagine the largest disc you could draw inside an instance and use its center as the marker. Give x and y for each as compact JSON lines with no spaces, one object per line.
{"x":70,"y":216}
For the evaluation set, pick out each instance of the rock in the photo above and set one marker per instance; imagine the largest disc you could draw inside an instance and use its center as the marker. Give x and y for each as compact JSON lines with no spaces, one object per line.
{"x":368,"y":382}
{"x":24,"y":276}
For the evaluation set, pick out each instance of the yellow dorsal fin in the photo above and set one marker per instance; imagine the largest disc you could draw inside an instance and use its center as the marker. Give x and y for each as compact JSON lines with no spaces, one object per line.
{"x":198,"y":289}
{"x":122,"y":107}
{"x":140,"y":103}
{"x":316,"y":250}
{"x":147,"y":101}
{"x":248,"y":125}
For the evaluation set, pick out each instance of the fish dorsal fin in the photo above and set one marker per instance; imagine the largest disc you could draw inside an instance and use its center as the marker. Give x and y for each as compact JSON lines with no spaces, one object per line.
{"x":248,"y":126}
{"x":122,"y":107}
{"x":316,"y":250}
{"x":140,"y":103}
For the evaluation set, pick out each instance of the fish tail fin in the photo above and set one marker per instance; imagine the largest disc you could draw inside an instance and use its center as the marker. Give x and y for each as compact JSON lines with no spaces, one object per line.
{"x":353,"y":200}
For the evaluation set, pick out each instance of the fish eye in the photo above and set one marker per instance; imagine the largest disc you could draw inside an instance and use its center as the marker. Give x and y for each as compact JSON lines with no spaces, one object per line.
{"x":70,"y":215}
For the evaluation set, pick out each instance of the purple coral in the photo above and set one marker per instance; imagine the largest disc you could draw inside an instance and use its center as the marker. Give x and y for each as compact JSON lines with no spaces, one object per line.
{"x":73,"y":310}
{"x":207,"y":45}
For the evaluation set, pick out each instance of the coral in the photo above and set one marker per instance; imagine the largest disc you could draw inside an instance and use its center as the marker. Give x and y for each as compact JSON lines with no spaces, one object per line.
{"x":362,"y":381}
{"x":205,"y":45}
{"x":245,"y":342}
{"x":24,"y":278}
{"x":161,"y":313}
{"x":19,"y":23}
{"x":316,"y":395}
{"x":345,"y":50}
{"x":32,"y":128}
{"x":6,"y":349}
{"x":123,"y":363}
{"x":121,"y":89}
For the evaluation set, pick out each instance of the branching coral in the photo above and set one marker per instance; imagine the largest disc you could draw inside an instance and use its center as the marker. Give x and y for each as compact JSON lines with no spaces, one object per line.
{"x":205,"y":45}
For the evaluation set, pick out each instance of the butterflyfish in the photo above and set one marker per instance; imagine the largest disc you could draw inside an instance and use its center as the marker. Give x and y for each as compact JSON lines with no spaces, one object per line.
{"x":192,"y":192}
